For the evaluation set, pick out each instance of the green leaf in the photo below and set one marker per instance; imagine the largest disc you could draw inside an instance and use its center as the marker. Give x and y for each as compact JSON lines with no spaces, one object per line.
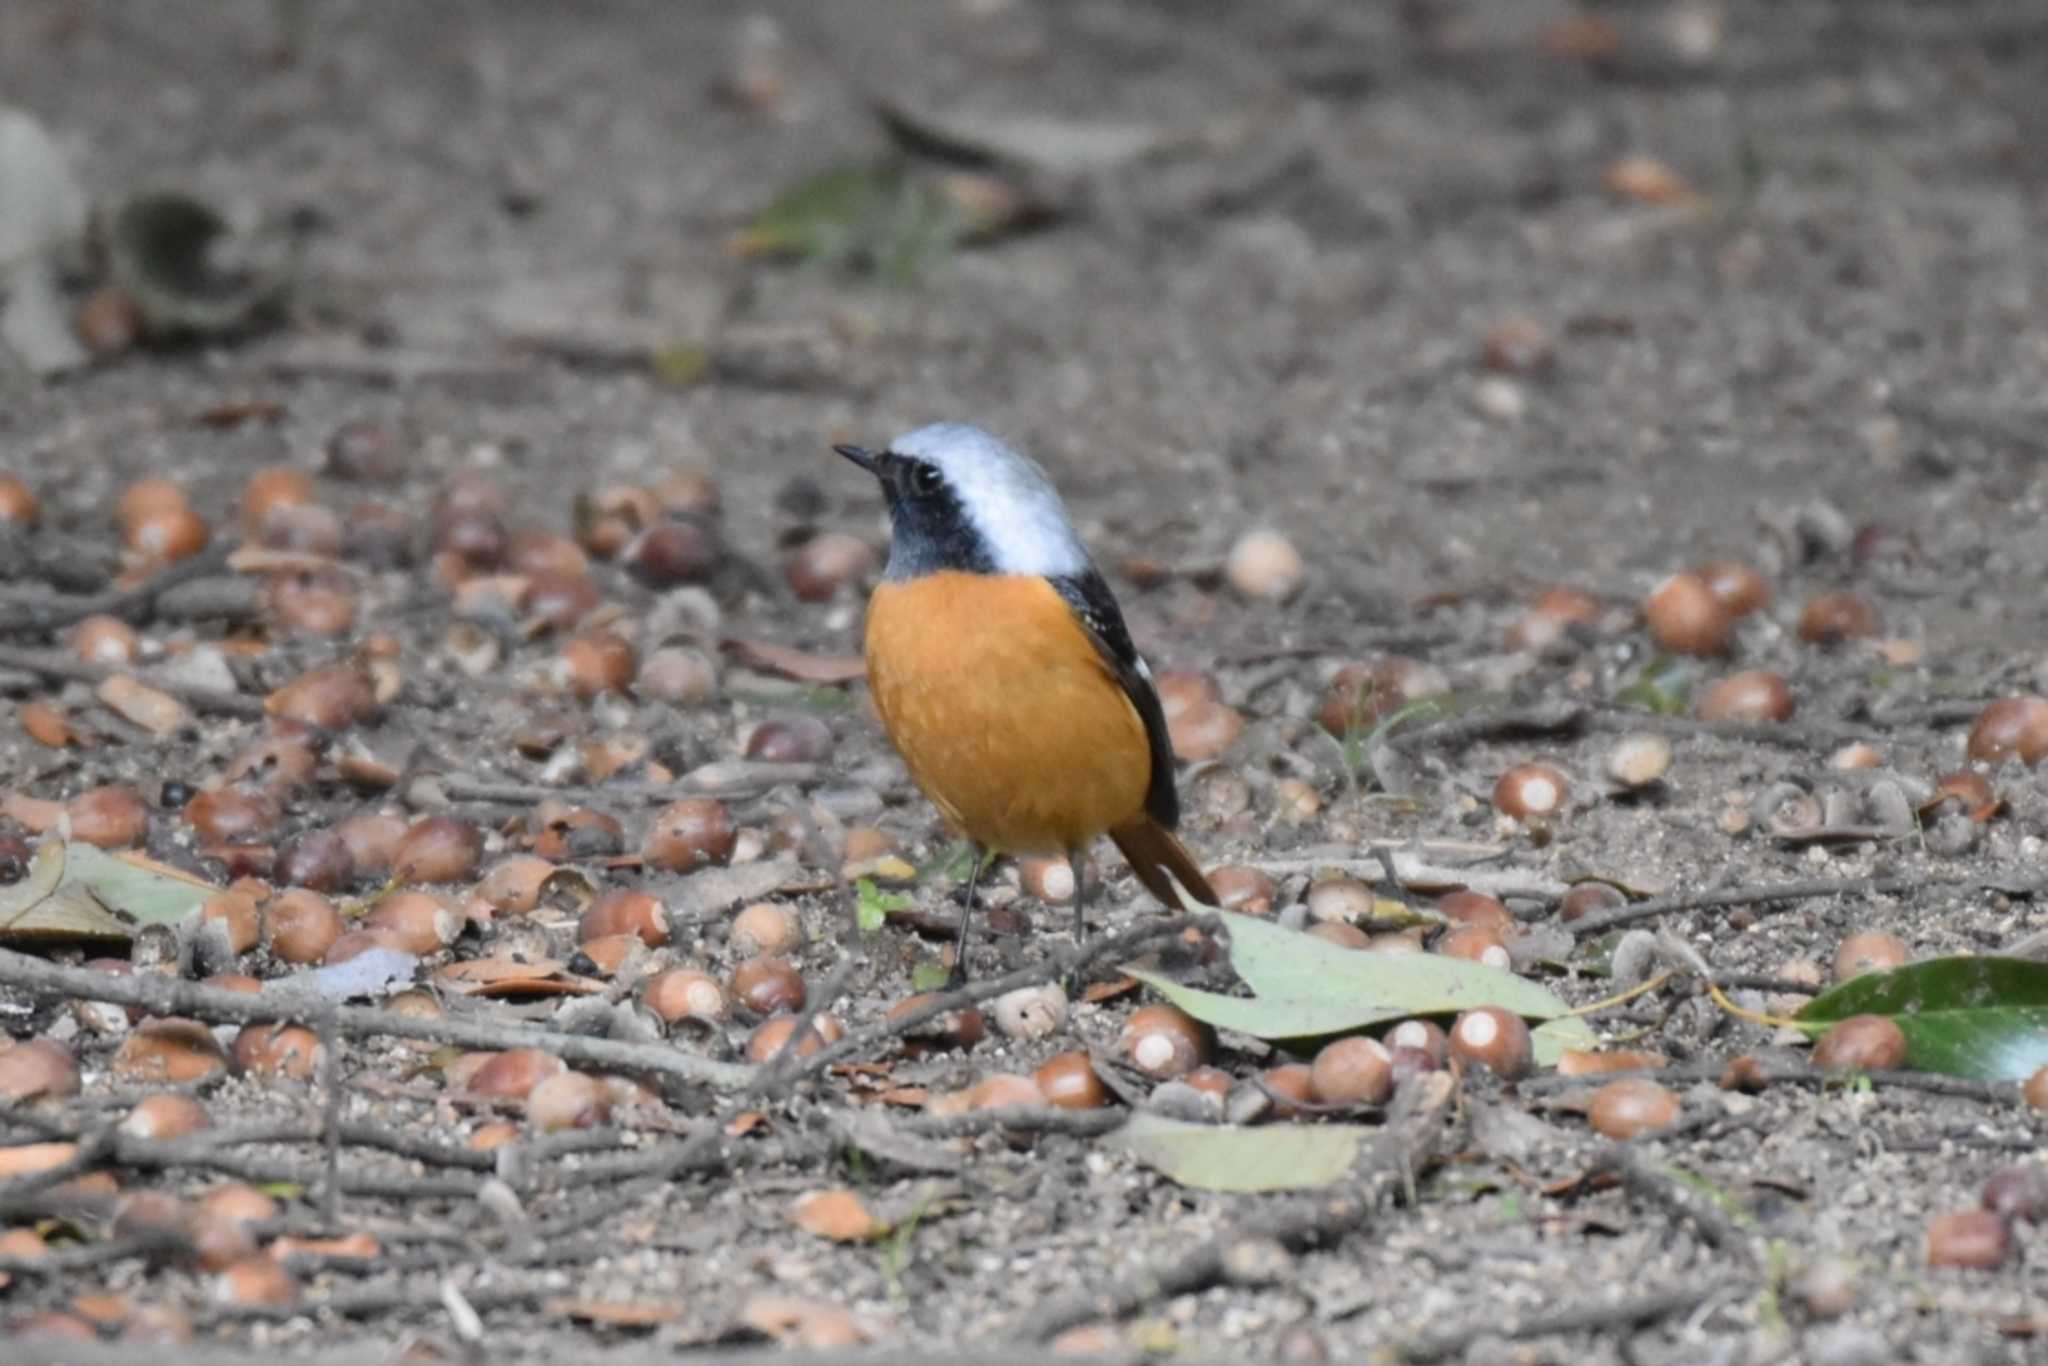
{"x":876,"y":216}
{"x":75,"y":891}
{"x":872,"y":905}
{"x":1664,"y":686}
{"x":930,"y":975}
{"x":1965,"y":1017}
{"x":1308,"y":988}
{"x":1223,"y":1158}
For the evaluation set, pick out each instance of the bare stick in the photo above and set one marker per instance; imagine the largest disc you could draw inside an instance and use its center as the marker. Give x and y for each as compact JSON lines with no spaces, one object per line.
{"x":168,"y":996}
{"x":48,"y":664}
{"x":1055,"y":966}
{"x":1577,"y":1318}
{"x":132,"y":604}
{"x":1602,"y":921}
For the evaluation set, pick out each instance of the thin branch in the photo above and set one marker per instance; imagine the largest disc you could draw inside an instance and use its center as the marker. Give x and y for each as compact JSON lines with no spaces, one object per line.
{"x":215,"y":1005}
{"x":1721,"y":898}
{"x":70,"y":669}
{"x":134,"y":603}
{"x":1054,"y":967}
{"x":1631,"y":1312}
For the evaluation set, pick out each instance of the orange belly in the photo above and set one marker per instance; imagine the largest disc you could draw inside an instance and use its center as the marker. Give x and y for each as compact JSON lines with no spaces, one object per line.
{"x":1006,"y":716}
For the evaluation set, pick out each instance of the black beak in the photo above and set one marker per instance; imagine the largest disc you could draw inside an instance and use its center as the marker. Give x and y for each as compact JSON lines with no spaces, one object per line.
{"x":861,"y":456}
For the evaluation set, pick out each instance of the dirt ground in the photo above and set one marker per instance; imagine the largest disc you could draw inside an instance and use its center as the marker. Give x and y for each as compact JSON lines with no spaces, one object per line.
{"x":1826,"y":357}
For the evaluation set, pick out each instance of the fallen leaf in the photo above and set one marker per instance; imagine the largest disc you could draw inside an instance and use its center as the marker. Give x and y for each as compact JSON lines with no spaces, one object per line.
{"x":1966,"y":1017}
{"x":803,"y":665}
{"x":28,"y":1159}
{"x":237,"y":413}
{"x":263,"y":559}
{"x":617,"y":1313}
{"x":802,"y":1323}
{"x":357,"y":1246}
{"x":1309,"y":988}
{"x":1648,"y":181}
{"x":1228,"y":1158}
{"x":909,"y":1097}
{"x":1097,"y":992}
{"x":77,"y":891}
{"x":511,"y":977}
{"x":744,"y":1123}
{"x":838,"y":1214}
{"x":104,"y":1308}
{"x":155,"y":711}
{"x":46,"y":724}
{"x":1047,"y":144}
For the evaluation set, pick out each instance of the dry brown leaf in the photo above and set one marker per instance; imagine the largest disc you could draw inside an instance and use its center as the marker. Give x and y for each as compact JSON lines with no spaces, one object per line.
{"x":743,"y":1123}
{"x":802,"y":665}
{"x":39,"y":816}
{"x":358,"y":1246}
{"x":802,"y":1323}
{"x":838,"y":1214}
{"x":46,"y":724}
{"x":104,"y":1307}
{"x":502,"y":977}
{"x":157,"y":712}
{"x":26,"y":1159}
{"x":616,"y":1313}
{"x":261,"y":559}
{"x":910,"y":1097}
{"x":1107,"y":991}
{"x":1583,"y":38}
{"x":1648,"y":181}
{"x":236,"y":412}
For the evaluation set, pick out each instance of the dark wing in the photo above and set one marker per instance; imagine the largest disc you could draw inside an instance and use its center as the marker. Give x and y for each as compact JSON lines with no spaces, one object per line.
{"x":1092,"y":602}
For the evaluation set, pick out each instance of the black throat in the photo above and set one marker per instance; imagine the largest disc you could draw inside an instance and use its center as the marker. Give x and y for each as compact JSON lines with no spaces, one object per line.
{"x":929,"y":530}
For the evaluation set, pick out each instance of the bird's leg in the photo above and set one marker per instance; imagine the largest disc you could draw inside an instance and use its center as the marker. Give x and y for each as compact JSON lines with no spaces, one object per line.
{"x":1077,"y":859}
{"x":958,"y":977}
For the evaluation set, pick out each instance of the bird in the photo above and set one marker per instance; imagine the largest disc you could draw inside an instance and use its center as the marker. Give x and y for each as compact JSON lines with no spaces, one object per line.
{"x":1005,"y":676}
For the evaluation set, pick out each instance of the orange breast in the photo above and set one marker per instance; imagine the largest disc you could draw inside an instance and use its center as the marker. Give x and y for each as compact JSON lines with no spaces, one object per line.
{"x":1008,"y":719}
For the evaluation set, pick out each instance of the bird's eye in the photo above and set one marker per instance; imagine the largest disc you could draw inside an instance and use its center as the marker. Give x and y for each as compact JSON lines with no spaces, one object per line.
{"x":925,"y":480}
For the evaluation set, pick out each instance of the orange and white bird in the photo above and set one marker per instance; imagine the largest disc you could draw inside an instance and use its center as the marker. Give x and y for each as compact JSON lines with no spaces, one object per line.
{"x":1003,"y":672}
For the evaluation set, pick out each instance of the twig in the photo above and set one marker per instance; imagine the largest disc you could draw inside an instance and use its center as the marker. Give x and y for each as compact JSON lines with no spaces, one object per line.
{"x":352,"y":1133}
{"x":1660,"y":1187}
{"x":1500,"y":882}
{"x":46,"y":664}
{"x":733,"y":778}
{"x":1789,"y":734}
{"x":1602,"y":921}
{"x":1578,"y":1318}
{"x":775,"y":1074}
{"x":133,"y":603}
{"x":1056,"y":965}
{"x":1415,"y":1137}
{"x":1792,"y":1070}
{"x":1492,"y":723}
{"x":1034,"y":1118}
{"x":169,"y":996}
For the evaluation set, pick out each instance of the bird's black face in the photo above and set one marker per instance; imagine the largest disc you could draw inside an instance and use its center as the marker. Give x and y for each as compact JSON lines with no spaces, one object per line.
{"x":929,"y":528}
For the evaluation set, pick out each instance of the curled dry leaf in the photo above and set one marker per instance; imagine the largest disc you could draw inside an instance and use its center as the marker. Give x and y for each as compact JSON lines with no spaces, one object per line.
{"x":802,"y":1323}
{"x":511,"y":977}
{"x":157,"y":712}
{"x":1648,"y":181}
{"x":46,"y":724}
{"x":803,"y":665}
{"x":838,"y":1214}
